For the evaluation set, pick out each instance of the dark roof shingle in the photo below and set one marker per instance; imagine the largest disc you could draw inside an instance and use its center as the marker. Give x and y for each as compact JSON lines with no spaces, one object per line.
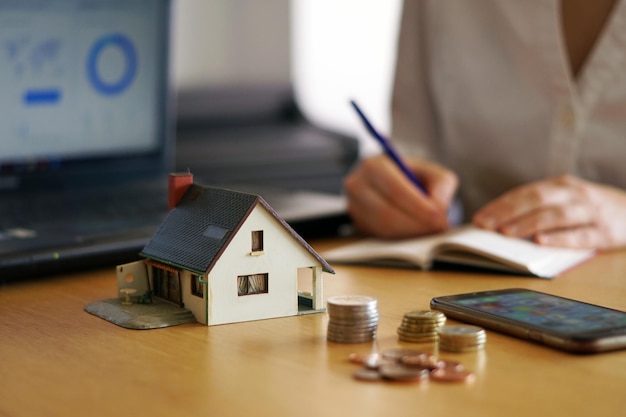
{"x":182,"y":239}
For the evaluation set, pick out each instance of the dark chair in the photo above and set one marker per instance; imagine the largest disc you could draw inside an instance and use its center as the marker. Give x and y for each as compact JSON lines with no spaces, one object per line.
{"x":145,"y":298}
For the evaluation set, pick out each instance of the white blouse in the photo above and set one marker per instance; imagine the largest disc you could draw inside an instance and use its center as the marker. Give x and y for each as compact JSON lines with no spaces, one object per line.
{"x":485,"y":88}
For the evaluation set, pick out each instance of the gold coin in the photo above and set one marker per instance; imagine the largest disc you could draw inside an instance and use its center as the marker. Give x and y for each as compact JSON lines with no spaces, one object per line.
{"x":425,"y":315}
{"x":461,"y":331}
{"x":419,"y":339}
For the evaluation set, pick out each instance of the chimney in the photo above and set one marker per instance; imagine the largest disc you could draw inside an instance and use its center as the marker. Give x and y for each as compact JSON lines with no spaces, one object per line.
{"x":177,"y":185}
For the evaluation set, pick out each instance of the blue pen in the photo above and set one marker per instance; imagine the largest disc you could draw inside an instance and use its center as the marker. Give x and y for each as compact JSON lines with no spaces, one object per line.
{"x":389,"y":150}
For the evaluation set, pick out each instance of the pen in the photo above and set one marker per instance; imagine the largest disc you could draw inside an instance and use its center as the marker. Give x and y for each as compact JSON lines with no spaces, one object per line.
{"x":389,"y":150}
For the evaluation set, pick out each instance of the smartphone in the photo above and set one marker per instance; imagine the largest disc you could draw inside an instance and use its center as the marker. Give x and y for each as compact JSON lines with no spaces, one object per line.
{"x":562,"y":323}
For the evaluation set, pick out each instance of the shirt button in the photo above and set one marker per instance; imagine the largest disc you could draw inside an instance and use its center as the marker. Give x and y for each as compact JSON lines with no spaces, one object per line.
{"x":568,"y":119}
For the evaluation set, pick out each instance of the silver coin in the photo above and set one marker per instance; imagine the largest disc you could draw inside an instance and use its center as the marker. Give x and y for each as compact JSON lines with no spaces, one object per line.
{"x":353,"y":319}
{"x":351,"y":300}
{"x":461,"y":342}
{"x":350,"y":339}
{"x":354,"y":325}
{"x":461,"y":331}
{"x":462,"y":349}
{"x":351,"y":336}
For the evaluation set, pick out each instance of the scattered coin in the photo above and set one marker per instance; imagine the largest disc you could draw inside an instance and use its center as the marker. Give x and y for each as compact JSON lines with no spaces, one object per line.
{"x":361,"y":358}
{"x":397,"y":372}
{"x":354,"y":319}
{"x":397,"y":354}
{"x":408,"y":365}
{"x":424,"y":361}
{"x":377,"y":363}
{"x":365,"y":374}
{"x":450,"y":374}
{"x":444,"y":363}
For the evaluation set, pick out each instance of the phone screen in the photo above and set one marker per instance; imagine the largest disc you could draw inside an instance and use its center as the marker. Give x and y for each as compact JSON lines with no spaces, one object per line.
{"x":545,"y":311}
{"x":556,"y":321}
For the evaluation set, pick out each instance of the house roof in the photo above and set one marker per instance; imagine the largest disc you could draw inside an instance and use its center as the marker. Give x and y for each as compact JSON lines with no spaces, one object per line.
{"x":198,"y":230}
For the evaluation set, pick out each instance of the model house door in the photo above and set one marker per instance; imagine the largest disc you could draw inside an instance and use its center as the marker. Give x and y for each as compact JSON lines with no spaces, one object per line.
{"x":167,"y":285}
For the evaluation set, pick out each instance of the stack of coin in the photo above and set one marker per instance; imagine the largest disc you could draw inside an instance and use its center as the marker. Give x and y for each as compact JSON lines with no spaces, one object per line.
{"x":420,"y":326}
{"x":352,"y":318}
{"x":461,"y":338}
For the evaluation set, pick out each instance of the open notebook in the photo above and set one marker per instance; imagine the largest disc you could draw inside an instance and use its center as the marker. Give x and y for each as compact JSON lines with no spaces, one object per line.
{"x":466,"y":245}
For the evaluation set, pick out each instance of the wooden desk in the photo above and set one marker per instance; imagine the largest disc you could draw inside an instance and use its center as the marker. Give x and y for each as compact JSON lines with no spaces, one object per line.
{"x":58,"y":360}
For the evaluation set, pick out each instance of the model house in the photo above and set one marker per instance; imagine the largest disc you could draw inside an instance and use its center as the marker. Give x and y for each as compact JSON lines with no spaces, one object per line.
{"x":227,"y":257}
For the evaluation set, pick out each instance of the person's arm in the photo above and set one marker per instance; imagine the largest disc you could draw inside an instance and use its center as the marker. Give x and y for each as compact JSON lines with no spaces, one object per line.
{"x":381,"y":200}
{"x":563,"y":211}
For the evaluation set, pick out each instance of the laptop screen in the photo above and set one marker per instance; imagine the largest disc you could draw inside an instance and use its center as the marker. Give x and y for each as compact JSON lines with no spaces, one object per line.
{"x":84,"y":86}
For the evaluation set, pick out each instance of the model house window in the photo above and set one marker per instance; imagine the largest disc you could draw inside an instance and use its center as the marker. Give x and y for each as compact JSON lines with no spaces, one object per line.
{"x":257,"y":241}
{"x":252,"y":284}
{"x":197,"y":287}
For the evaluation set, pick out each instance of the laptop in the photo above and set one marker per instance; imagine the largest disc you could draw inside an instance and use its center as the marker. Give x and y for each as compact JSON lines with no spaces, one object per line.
{"x":86,"y":133}
{"x":87,"y":139}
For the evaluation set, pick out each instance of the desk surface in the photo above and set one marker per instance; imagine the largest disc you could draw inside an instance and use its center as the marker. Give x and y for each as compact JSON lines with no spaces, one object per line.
{"x":58,"y":360}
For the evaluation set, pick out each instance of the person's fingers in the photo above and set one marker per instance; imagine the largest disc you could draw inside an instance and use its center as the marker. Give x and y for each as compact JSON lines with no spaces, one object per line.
{"x":580,"y":237}
{"x":526,"y":199}
{"x":383,"y":202}
{"x":441,"y":183}
{"x":549,"y":218}
{"x":393,"y":186}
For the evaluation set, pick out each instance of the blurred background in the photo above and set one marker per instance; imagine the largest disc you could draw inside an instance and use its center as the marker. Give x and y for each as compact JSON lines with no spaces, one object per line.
{"x":323,"y":52}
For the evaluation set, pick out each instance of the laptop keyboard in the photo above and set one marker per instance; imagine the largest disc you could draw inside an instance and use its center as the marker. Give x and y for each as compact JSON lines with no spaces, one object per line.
{"x":60,"y":218}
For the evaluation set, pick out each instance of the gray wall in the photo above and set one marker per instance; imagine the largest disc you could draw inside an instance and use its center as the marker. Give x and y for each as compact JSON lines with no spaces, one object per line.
{"x":231,"y":42}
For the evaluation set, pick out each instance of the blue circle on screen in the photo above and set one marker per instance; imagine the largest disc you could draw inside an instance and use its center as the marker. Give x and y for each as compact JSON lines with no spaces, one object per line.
{"x":130,"y":56}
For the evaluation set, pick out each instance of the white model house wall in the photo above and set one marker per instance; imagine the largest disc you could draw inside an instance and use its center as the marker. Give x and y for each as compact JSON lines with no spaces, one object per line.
{"x":281,"y":257}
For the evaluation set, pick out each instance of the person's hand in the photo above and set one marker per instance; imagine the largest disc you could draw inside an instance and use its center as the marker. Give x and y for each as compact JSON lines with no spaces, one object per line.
{"x":562,"y":211}
{"x":384,"y":203}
